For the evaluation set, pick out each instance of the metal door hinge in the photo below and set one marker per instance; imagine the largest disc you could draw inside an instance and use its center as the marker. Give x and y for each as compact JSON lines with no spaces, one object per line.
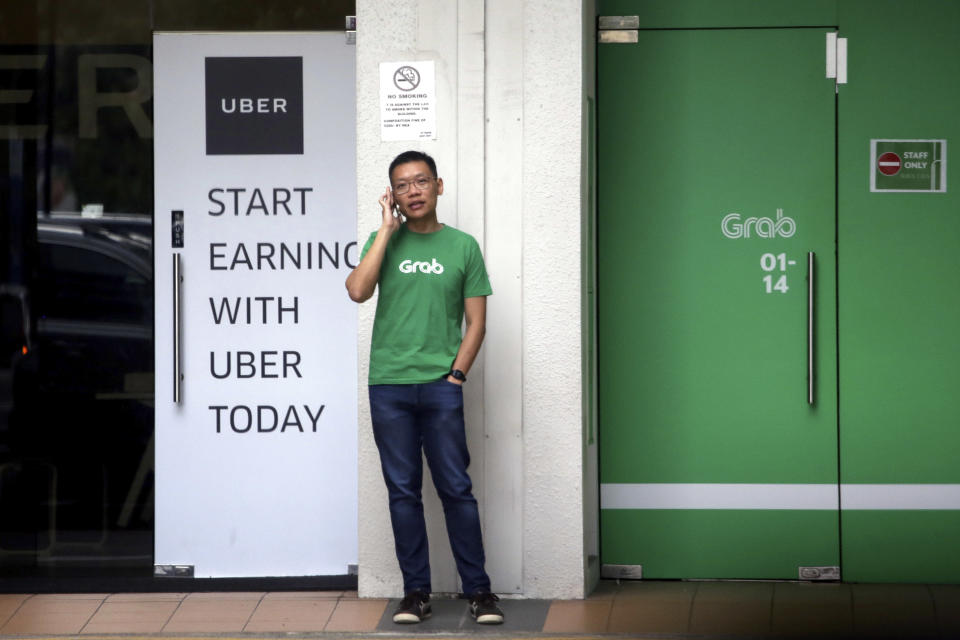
{"x":173,"y":570}
{"x":819,"y":573}
{"x":622,"y":571}
{"x":351,"y":29}
{"x":836,"y":58}
{"x":617,"y":29}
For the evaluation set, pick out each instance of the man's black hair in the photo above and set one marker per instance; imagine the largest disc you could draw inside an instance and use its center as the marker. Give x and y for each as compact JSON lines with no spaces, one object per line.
{"x":412,"y":156}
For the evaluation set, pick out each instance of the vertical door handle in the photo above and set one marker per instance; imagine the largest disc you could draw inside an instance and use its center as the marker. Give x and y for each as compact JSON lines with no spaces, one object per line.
{"x":177,"y":376}
{"x":811,"y":327}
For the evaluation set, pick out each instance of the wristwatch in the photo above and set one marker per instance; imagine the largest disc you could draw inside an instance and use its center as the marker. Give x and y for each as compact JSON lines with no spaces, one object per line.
{"x":459,"y":375}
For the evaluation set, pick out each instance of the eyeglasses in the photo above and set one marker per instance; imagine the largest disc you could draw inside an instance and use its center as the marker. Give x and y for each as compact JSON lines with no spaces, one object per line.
{"x":422,"y":183}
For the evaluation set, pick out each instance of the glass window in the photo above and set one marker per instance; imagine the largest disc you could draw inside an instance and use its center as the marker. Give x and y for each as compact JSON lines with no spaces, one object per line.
{"x":76,"y":272}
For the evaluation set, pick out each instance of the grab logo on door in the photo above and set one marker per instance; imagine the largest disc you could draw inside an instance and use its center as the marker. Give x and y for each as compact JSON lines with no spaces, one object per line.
{"x":734,"y":226}
{"x":254,"y":106}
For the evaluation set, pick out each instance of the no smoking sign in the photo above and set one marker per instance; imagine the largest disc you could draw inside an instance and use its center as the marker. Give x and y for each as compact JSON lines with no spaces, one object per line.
{"x":406,"y":78}
{"x":408,"y":101}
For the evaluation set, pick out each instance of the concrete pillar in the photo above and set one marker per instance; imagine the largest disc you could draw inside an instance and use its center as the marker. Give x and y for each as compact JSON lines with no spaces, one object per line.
{"x":510,"y":149}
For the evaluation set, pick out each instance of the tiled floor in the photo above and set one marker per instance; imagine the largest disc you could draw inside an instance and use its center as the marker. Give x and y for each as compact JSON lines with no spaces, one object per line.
{"x":658,"y":609}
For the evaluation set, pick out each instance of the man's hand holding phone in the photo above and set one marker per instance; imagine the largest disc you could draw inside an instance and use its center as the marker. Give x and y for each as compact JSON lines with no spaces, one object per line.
{"x":390,"y":222}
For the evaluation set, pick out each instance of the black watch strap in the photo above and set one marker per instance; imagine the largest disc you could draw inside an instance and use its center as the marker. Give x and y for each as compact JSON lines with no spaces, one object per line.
{"x":459,"y":375}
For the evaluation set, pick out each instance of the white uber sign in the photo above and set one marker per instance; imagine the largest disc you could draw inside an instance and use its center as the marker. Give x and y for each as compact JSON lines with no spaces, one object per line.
{"x":255,"y":193}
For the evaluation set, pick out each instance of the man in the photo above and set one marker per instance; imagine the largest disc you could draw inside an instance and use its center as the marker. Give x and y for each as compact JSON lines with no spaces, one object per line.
{"x":431,"y":276}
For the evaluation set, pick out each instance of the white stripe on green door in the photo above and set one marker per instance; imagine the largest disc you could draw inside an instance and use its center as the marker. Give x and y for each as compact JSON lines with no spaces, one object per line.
{"x":780,"y":496}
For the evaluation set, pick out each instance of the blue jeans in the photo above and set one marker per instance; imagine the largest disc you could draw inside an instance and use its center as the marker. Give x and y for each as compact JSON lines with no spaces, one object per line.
{"x":428,"y":417}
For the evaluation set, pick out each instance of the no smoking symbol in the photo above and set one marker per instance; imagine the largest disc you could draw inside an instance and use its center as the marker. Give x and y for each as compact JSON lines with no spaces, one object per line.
{"x":406,"y":78}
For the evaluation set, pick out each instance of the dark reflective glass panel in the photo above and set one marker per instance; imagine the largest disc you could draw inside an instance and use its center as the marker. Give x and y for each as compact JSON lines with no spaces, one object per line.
{"x":76,"y":405}
{"x":76,"y":281}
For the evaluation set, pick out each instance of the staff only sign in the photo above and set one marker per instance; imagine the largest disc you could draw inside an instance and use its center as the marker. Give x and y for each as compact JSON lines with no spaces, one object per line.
{"x":255,"y":204}
{"x":908,"y":166}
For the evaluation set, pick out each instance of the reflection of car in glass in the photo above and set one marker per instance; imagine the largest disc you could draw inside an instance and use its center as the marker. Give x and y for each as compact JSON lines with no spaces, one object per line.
{"x":96,"y":279}
{"x":81,"y":421}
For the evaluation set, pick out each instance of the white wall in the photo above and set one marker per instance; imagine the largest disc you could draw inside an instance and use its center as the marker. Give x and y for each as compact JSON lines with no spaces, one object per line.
{"x":509,"y":148}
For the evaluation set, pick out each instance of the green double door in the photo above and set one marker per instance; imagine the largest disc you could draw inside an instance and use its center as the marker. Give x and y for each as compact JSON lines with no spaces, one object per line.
{"x":717,"y":336}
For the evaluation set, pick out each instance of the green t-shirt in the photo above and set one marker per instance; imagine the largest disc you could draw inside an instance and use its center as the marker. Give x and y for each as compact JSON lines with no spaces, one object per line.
{"x":423,"y":281}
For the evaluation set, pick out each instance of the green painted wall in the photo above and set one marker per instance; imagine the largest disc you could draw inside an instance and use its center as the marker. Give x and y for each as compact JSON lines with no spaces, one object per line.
{"x":897,"y":277}
{"x":899,"y":288}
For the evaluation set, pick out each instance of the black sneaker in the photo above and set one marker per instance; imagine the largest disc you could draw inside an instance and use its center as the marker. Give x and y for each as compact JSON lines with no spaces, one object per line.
{"x":414,"y":607}
{"x":484,"y":609}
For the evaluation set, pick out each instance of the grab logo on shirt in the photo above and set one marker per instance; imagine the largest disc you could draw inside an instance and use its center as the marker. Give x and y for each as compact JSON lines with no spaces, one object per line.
{"x":409,"y":266}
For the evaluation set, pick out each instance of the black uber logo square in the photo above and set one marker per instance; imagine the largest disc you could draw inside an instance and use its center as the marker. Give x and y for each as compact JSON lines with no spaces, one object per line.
{"x":254,"y":105}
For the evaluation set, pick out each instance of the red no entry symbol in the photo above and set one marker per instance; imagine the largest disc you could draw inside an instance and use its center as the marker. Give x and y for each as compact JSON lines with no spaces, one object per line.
{"x":888,"y":163}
